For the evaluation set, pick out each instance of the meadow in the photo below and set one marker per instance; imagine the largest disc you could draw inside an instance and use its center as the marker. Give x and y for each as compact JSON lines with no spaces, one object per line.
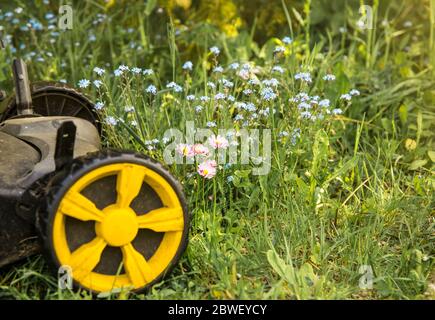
{"x":346,"y":210}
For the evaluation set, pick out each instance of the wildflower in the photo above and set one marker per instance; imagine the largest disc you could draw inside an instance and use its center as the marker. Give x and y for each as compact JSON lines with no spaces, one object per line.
{"x":200,"y":149}
{"x":304,"y":105}
{"x":240,"y":105}
{"x":97,"y":83}
{"x":99,"y":105}
{"x":329,"y":77}
{"x":230,"y":179}
{"x":234,"y":66}
{"x":342,"y":29}
{"x":219,"y":96}
{"x":227,"y":84}
{"x":133,"y":123}
{"x":244,"y":74}
{"x":268,"y":94}
{"x":136,"y":70}
{"x":111,"y":121}
{"x":151,"y":89}
{"x":407,"y":24}
{"x":211,"y":85}
{"x":247,"y":92}
{"x":176,"y":87}
{"x":306,"y":115}
{"x":190,"y":97}
{"x":283,"y":134}
{"x":128,"y":108}
{"x":238,"y":117}
{"x":218,"y":69}
{"x":99,"y":71}
{"x":211,"y":124}
{"x":303,"y":96}
{"x":250,"y":107}
{"x":155,"y":141}
{"x":271,"y":82}
{"x":337,"y":111}
{"x":218,"y":142}
{"x":188,"y":65}
{"x":324,"y":103}
{"x":84,"y":83}
{"x":185,"y":150}
{"x":264,"y":112}
{"x":296,"y":134}
{"x":117,"y":72}
{"x":215,"y":50}
{"x":287,"y":40}
{"x":148,"y":72}
{"x":49,"y":16}
{"x":204,"y":98}
{"x":198,"y":109}
{"x":246,"y":66}
{"x":207,"y":169}
{"x":254,"y":82}
{"x":303,"y":76}
{"x":346,"y":97}
{"x":279,"y":49}
{"x":354,"y":92}
{"x":278,"y":69}
{"x":165,"y":140}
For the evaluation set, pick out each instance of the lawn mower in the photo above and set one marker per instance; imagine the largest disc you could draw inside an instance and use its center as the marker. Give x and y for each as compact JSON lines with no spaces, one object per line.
{"x":116,"y":219}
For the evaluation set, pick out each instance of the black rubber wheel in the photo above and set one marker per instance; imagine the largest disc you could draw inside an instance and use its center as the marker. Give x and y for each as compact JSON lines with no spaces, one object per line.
{"x":56,"y":99}
{"x":124,"y":188}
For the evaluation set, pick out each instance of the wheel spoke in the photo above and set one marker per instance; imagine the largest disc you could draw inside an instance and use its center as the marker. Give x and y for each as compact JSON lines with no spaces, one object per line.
{"x":162,"y":220}
{"x":85,"y":259}
{"x":78,"y":206}
{"x":138,"y":270}
{"x":62,"y":106}
{"x":128,"y":184}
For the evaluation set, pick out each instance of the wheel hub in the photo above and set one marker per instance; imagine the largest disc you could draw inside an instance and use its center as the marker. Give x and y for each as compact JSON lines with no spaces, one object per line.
{"x":119,"y":227}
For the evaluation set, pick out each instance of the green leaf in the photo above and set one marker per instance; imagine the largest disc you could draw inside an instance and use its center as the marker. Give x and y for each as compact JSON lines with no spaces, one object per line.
{"x":431,"y":155}
{"x":403,"y":114}
{"x":342,"y":170}
{"x":417,"y":164}
{"x":151,"y":4}
{"x":298,"y":16}
{"x":320,"y":150}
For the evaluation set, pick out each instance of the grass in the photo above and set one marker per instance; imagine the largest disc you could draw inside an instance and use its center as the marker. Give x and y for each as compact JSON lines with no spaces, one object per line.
{"x":352,"y":190}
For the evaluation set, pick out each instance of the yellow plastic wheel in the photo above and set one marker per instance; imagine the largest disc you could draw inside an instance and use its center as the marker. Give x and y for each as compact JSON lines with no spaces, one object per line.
{"x":118,"y":220}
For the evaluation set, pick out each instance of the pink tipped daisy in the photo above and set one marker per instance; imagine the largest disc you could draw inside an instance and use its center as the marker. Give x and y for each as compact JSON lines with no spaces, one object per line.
{"x":218,"y":142}
{"x":200,"y":149}
{"x":185,"y":150}
{"x":207,"y":169}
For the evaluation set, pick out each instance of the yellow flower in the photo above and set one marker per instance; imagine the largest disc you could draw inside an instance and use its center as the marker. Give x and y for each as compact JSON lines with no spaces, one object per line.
{"x":410,"y":144}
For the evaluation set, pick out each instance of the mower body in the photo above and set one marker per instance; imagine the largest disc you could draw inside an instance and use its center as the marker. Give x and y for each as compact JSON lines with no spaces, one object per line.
{"x":31,"y":148}
{"x":117,"y":219}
